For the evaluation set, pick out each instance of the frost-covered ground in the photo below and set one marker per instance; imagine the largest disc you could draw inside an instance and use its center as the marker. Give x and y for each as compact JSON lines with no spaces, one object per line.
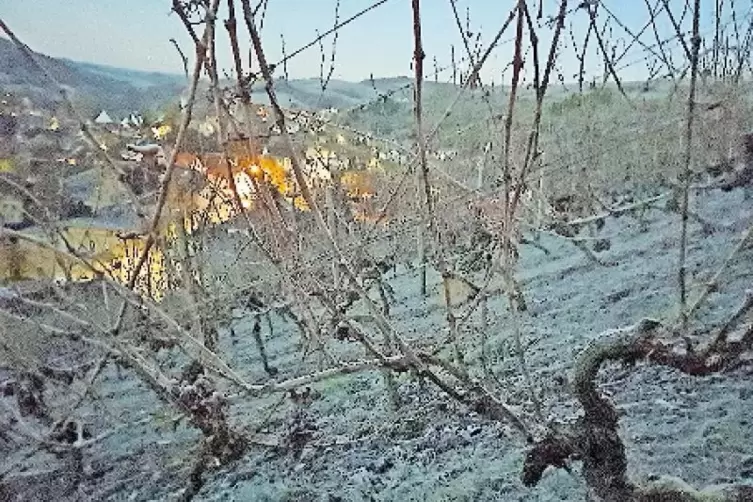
{"x":432,"y":449}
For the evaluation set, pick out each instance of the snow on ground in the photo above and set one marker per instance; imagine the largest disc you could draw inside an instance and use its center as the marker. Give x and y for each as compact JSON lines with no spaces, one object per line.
{"x":431,"y":448}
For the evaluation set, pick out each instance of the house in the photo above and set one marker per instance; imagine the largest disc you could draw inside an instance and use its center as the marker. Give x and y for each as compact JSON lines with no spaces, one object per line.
{"x":103,"y":118}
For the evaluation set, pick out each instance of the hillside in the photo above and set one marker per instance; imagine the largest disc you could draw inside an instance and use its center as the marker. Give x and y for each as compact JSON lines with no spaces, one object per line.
{"x":387,"y":301}
{"x":307,"y":93}
{"x":122,"y":91}
{"x":697,"y":428}
{"x":93,"y":87}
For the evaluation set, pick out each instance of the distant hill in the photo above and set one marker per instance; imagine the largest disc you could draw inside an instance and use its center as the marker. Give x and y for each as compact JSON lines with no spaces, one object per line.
{"x":121,"y":91}
{"x":308,"y":94}
{"x":136,"y":78}
{"x":93,"y":87}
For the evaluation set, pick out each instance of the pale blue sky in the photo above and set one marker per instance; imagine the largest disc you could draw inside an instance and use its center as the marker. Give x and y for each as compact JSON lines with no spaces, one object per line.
{"x":136,"y":33}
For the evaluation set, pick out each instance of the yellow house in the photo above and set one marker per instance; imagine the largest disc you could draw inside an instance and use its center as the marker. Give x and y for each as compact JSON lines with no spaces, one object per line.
{"x":108,"y":254}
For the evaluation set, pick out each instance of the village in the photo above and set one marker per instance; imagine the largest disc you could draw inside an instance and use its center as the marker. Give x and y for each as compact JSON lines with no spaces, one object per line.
{"x":45,"y":161}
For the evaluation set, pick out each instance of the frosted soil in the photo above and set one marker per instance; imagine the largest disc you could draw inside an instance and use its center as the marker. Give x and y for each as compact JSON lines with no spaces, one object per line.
{"x":430,"y":448}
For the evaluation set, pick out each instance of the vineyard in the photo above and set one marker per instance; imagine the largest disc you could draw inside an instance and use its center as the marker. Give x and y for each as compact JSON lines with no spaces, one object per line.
{"x":520,"y":274}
